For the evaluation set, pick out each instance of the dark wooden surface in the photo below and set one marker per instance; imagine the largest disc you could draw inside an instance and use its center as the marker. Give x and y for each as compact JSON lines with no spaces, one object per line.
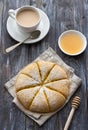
{"x":63,"y":15}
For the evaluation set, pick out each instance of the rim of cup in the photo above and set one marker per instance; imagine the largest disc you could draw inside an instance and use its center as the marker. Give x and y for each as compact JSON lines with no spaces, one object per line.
{"x":24,"y":8}
{"x":78,"y":33}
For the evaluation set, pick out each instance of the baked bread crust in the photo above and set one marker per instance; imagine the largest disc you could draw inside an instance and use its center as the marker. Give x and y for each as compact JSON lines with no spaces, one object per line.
{"x":42,"y":87}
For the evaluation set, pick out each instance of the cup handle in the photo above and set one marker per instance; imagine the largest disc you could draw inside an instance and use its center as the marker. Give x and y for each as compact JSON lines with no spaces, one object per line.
{"x":11,"y":13}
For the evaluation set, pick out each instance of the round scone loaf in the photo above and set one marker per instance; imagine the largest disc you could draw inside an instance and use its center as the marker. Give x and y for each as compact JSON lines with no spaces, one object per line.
{"x":42,"y":87}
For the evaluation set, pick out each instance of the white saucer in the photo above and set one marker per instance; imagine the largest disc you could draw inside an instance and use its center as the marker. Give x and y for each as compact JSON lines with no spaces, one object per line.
{"x":19,"y":36}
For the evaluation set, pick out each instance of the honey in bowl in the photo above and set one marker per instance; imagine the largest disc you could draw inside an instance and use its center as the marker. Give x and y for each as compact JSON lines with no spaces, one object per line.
{"x":72,"y":42}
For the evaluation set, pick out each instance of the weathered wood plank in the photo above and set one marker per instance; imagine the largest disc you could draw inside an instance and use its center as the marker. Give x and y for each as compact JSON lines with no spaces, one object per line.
{"x":11,"y":117}
{"x":63,"y":15}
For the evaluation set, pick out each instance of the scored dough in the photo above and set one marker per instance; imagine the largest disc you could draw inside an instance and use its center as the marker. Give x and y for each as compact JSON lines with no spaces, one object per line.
{"x":60,"y":86}
{"x":26,"y":96}
{"x":33,"y":71}
{"x":45,"y":68}
{"x":24,"y":81}
{"x":42,"y":87}
{"x":56,"y":73}
{"x":39,"y":103}
{"x":55,"y":99}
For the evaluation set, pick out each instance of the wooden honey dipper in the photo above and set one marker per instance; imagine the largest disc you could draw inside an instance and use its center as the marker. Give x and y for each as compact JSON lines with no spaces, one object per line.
{"x":75,"y":104}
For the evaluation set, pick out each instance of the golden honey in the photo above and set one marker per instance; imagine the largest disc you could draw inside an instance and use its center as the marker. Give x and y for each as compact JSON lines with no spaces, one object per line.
{"x":72,"y":43}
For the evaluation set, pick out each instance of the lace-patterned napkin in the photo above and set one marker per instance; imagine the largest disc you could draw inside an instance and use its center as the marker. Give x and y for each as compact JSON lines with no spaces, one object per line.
{"x":48,"y":55}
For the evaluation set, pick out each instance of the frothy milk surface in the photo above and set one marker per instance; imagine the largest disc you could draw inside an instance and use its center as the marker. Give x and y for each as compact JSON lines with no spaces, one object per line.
{"x":27,"y":18}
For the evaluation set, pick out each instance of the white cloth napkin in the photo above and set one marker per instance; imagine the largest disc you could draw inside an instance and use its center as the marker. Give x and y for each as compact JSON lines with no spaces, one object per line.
{"x":48,"y":55}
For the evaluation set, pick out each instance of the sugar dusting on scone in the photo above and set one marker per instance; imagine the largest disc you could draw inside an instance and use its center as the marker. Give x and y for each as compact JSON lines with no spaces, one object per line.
{"x":42,"y":87}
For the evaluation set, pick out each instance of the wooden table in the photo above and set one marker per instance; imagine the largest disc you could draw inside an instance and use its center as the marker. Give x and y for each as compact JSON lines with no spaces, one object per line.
{"x":63,"y":15}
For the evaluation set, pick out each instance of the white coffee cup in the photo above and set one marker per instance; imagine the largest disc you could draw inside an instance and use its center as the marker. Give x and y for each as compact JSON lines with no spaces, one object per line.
{"x":14,"y":14}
